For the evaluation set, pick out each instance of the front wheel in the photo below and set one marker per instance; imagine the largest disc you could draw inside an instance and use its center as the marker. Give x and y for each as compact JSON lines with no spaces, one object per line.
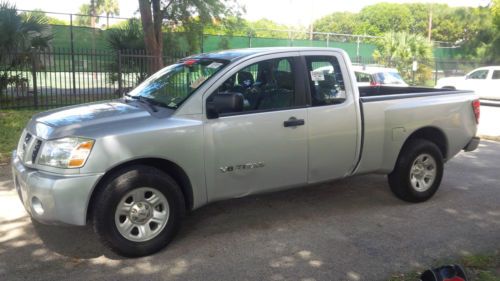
{"x":418,"y":171}
{"x":139,"y":211}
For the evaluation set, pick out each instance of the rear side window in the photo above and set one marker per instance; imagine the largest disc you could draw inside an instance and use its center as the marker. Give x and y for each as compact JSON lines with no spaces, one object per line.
{"x":496,"y":74}
{"x":325,"y":80}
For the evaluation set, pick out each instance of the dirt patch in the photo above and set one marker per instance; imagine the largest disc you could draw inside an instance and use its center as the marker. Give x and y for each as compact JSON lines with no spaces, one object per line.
{"x":5,"y":172}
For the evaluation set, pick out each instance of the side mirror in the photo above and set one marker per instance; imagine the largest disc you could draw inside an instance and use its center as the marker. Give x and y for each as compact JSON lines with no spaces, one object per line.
{"x":467,"y":77}
{"x":224,"y":103}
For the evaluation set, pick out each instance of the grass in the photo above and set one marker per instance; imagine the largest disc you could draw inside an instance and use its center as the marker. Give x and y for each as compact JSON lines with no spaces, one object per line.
{"x":12,"y":122}
{"x":481,"y":267}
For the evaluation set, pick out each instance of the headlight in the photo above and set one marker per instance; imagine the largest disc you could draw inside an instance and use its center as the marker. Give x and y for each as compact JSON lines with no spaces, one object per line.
{"x":66,"y":152}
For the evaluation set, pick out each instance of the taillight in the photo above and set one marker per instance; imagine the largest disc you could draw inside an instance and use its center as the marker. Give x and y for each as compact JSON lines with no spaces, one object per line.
{"x":476,"y":108}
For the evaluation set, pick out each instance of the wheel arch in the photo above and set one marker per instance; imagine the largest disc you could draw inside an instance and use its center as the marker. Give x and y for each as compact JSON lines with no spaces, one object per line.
{"x":167,"y":166}
{"x":432,"y":134}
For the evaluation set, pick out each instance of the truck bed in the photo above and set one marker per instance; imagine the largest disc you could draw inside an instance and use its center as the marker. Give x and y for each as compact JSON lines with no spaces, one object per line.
{"x":390,"y":114}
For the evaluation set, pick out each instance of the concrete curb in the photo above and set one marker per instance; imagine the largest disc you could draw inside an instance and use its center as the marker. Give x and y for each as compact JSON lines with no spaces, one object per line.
{"x":491,"y":138}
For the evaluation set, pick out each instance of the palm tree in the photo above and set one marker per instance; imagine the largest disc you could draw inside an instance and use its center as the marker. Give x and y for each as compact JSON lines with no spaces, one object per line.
{"x":109,"y":7}
{"x":84,"y":17}
{"x":400,"y":49}
{"x":19,"y":33}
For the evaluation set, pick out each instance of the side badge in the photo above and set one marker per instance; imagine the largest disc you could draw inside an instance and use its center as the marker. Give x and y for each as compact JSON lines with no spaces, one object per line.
{"x":246,"y":166}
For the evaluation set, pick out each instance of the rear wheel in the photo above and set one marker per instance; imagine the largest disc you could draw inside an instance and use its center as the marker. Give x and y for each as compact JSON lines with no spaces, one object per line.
{"x":418,"y":171}
{"x":139,"y":211}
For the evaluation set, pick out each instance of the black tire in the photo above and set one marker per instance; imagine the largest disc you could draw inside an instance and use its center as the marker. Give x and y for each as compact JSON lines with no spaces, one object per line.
{"x":115,"y":188}
{"x":399,"y":178}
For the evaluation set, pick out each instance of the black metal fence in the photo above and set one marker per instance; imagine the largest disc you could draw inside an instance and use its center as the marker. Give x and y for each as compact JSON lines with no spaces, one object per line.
{"x":43,"y":79}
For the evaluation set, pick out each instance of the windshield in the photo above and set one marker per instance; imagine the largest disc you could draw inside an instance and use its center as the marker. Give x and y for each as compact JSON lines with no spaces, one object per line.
{"x":389,"y":78}
{"x":173,"y":84}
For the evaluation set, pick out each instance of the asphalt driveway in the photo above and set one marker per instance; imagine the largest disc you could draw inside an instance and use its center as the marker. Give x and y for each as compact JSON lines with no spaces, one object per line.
{"x":352,"y":229}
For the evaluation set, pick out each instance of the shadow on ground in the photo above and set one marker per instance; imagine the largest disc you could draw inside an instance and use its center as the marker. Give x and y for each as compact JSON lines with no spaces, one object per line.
{"x":351,"y":229}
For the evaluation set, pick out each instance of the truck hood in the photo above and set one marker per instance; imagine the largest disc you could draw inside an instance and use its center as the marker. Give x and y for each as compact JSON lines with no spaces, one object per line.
{"x":89,"y":119}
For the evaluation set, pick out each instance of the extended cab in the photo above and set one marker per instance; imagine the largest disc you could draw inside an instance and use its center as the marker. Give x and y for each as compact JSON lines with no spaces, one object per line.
{"x":229,"y":124}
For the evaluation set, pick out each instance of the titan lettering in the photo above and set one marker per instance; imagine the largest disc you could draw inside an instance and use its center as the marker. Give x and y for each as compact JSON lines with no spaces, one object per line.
{"x":246,"y":166}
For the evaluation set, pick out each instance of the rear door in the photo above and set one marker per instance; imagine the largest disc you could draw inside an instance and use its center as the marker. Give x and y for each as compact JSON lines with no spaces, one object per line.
{"x":332,"y":117}
{"x":263,"y":147}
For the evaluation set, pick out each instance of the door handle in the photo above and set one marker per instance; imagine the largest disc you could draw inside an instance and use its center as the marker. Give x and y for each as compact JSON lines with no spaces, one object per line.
{"x":293,"y":122}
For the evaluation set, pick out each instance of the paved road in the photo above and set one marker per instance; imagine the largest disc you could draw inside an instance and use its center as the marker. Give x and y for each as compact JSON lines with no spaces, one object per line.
{"x":351,"y":229}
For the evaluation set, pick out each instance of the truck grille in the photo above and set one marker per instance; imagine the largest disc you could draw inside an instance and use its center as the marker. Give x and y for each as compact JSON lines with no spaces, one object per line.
{"x":28,"y":148}
{"x":38,"y":143}
{"x":27,"y":139}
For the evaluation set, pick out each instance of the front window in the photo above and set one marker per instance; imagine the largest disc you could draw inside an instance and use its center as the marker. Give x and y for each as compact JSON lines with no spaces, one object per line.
{"x":266,"y":85}
{"x":479,"y":74}
{"x":173,"y":84}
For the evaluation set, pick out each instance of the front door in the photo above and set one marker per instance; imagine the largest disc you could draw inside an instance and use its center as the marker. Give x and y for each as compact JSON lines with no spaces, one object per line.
{"x":476,"y":81}
{"x":264,"y":146}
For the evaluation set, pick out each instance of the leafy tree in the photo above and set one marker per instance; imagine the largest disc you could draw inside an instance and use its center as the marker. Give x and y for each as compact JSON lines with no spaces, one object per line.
{"x":155,"y":12}
{"x":84,"y":17}
{"x":446,"y":25}
{"x":400,"y":49}
{"x":495,"y":10}
{"x":56,"y":21}
{"x":267,"y":28}
{"x":233,"y":26}
{"x":338,"y":22}
{"x":472,"y":29}
{"x":50,"y":20}
{"x":492,"y":50}
{"x":108,"y":7}
{"x":384,"y":17}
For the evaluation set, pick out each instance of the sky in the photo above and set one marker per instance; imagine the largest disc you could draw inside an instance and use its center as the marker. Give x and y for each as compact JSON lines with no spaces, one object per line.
{"x":289,"y":12}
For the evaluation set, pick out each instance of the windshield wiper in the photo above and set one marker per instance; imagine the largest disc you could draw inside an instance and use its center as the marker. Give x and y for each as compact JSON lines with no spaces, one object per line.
{"x":146,"y":101}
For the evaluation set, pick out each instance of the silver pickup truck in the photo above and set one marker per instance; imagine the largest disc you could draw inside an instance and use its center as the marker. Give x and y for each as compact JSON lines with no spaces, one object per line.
{"x":230,"y":124}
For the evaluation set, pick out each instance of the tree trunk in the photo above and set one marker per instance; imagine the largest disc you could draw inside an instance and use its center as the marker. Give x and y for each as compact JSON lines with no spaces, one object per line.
{"x":153,"y":37}
{"x":107,"y":20}
{"x":92,"y":13}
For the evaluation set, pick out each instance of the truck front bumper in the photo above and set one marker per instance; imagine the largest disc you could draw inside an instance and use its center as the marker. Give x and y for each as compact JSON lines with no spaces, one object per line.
{"x":473,"y":144}
{"x":52,"y":198}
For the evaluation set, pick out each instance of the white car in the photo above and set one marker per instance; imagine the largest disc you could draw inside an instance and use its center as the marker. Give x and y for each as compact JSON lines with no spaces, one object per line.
{"x":378,"y":76}
{"x":485,"y":81}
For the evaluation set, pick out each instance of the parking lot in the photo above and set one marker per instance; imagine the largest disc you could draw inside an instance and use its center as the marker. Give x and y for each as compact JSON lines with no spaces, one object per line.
{"x":352,"y":229}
